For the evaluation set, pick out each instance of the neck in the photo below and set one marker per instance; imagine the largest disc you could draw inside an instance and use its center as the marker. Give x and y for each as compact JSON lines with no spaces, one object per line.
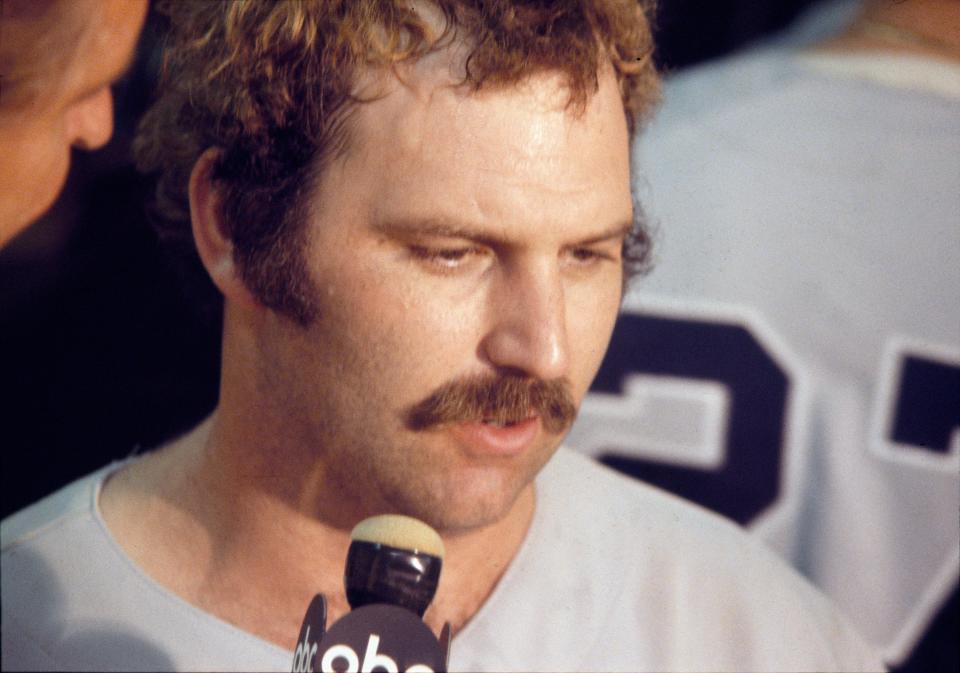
{"x":929,"y":28}
{"x":221,"y":519}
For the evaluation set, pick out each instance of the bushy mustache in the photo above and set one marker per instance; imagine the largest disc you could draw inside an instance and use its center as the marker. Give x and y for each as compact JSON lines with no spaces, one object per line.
{"x":502,"y":399}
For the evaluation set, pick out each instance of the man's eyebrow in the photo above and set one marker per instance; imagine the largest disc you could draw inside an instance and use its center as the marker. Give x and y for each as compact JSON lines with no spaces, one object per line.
{"x":450,"y":228}
{"x":616,"y":232}
{"x":431,"y":226}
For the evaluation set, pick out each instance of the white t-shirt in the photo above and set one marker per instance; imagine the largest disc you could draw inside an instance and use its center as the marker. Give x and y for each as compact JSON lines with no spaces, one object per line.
{"x":613,"y":575}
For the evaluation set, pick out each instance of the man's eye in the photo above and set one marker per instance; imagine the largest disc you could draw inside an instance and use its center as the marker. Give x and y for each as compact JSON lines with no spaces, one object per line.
{"x":443,"y":258}
{"x":586,"y":256}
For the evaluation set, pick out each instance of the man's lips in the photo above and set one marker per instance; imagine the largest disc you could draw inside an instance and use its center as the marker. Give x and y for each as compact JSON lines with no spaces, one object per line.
{"x":490,"y":439}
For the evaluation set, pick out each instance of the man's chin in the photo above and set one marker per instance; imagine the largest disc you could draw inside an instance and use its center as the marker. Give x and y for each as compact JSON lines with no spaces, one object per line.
{"x":467,"y":504}
{"x":458,"y":521}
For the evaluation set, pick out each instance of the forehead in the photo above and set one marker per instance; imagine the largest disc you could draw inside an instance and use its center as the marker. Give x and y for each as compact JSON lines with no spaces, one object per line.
{"x":427,"y":141}
{"x":64,"y":45}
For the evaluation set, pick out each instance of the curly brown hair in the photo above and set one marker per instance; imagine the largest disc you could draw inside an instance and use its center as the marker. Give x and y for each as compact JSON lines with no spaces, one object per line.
{"x":271,"y":84}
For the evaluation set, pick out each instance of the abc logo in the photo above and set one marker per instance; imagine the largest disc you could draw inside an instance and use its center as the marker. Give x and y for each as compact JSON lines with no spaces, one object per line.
{"x":372,"y":638}
{"x":343,"y":659}
{"x":304,"y":655}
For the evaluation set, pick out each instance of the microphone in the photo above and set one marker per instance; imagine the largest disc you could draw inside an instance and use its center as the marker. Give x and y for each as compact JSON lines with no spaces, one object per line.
{"x":392,"y":571}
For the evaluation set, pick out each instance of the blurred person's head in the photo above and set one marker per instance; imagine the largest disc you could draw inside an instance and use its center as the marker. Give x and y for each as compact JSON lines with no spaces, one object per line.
{"x":58,"y":59}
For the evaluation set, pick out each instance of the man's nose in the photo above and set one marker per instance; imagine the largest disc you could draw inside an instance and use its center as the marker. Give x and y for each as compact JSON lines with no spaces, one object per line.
{"x":528,"y":331}
{"x":90,"y":121}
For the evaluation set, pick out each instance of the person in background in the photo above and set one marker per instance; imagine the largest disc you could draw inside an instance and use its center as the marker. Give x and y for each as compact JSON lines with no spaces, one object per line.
{"x":58,"y":59}
{"x":804,"y":316}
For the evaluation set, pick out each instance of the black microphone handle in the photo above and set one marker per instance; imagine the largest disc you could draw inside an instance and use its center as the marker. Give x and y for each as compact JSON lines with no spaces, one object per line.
{"x":378,"y":573}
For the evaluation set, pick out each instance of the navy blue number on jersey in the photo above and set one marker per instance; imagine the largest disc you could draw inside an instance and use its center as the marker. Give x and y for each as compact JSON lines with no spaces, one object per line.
{"x":748,"y":481}
{"x":926,"y":411}
{"x":924,"y":418}
{"x":920,"y":419}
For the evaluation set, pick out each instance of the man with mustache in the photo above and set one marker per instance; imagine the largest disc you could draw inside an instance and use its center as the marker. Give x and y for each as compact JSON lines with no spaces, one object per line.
{"x":419,"y":219}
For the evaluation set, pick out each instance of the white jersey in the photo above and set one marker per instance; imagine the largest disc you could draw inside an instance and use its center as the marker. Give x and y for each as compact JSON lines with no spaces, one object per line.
{"x":613,"y":575}
{"x":793,"y":361}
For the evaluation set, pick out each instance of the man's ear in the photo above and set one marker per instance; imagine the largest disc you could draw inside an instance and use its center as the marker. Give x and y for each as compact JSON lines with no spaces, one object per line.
{"x":210,"y":234}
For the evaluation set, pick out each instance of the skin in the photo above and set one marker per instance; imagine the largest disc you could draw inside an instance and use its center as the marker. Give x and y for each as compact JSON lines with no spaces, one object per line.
{"x":58,"y":66}
{"x":933,"y":26}
{"x":524,"y":276}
